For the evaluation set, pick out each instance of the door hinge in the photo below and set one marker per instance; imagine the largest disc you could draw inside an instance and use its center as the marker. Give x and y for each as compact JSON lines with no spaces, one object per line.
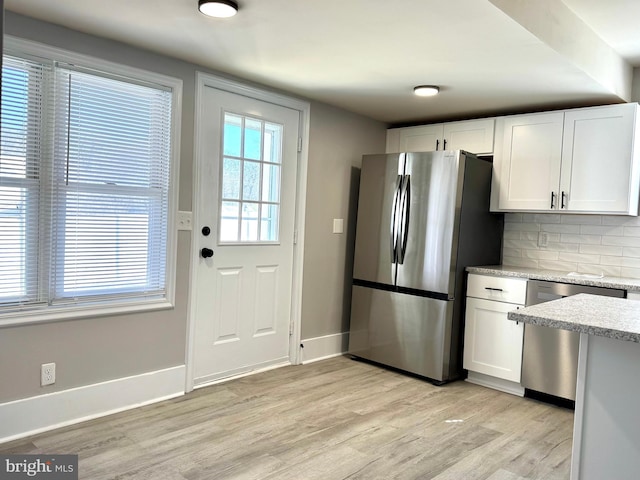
{"x":295,"y":237}
{"x":299,"y":144}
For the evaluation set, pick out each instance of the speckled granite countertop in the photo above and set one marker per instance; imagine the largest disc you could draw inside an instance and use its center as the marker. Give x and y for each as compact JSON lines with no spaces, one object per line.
{"x":630,"y":284}
{"x":609,"y":317}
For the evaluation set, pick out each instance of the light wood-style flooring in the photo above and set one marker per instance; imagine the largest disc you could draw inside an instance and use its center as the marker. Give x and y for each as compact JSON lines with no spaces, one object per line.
{"x":331,"y":420}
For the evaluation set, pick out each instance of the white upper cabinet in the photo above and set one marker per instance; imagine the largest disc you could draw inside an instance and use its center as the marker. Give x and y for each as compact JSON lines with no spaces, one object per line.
{"x":599,"y":162}
{"x":528,"y":148}
{"x":475,"y":136}
{"x":576,"y":161}
{"x":421,"y":139}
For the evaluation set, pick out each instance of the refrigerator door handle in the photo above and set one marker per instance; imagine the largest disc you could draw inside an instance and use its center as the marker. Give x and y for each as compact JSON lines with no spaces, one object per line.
{"x":394,"y":220}
{"x":403,"y":231}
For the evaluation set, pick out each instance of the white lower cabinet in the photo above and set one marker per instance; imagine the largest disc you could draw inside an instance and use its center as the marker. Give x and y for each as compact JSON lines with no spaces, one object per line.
{"x":492,"y":343}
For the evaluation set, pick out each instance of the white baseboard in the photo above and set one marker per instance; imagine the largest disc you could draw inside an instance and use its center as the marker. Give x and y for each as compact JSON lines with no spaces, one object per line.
{"x":327,"y":346}
{"x":29,"y":416}
{"x":496,"y":383}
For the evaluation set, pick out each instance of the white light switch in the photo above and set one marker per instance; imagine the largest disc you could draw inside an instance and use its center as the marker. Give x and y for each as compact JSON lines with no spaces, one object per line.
{"x":338,"y":225}
{"x":184,"y":221}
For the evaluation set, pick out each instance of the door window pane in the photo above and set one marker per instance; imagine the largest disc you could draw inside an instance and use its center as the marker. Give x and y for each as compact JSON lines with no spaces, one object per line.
{"x":251,"y":181}
{"x":252,"y":139}
{"x":269,"y":223}
{"x":229,"y":219}
{"x":272,"y":143}
{"x":232,"y":135}
{"x":270,"y":183}
{"x":249,"y":230}
{"x":231,"y":178}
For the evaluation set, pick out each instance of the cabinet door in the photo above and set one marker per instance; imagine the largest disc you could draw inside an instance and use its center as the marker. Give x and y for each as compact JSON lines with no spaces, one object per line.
{"x":492,"y":344}
{"x":475,"y":136}
{"x":599,"y":171}
{"x":426,"y":138}
{"x":527,"y":162}
{"x":393,"y":140}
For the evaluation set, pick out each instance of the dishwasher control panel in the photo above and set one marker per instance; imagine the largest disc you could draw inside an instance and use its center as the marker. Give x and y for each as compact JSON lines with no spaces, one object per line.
{"x":540,"y":291}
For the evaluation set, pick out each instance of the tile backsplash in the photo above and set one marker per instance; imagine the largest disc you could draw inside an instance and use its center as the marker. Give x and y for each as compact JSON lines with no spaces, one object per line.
{"x":596,"y":244}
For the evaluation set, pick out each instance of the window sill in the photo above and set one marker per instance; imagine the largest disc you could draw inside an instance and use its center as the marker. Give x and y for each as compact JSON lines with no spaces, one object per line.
{"x":53,"y":314}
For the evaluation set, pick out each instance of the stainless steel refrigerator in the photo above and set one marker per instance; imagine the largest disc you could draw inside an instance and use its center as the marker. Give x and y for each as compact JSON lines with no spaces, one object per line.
{"x":422,"y":218}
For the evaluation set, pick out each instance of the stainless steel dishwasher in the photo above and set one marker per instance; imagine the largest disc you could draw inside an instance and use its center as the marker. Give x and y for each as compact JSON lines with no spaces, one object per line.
{"x":549,"y":355}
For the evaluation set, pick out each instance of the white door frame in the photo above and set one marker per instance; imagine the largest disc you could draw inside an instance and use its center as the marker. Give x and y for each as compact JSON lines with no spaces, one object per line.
{"x":204,"y":80}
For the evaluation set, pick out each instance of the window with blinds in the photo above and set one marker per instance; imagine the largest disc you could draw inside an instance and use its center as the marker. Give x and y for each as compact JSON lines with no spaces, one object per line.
{"x":85,"y":163}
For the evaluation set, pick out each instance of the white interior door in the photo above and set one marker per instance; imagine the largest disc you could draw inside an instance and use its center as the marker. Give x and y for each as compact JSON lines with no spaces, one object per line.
{"x":246,"y":200}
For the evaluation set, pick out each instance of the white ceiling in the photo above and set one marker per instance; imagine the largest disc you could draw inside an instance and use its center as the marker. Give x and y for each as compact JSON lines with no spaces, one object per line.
{"x":366,"y":55}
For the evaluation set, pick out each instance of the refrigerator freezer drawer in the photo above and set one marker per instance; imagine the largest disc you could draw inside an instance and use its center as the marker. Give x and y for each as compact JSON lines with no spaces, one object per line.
{"x":408,"y":332}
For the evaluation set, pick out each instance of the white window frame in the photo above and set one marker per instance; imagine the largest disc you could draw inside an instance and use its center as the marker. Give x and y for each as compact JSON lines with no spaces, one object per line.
{"x":18,"y":46}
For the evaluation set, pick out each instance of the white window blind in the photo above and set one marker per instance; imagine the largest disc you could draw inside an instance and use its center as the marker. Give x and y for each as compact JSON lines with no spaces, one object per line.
{"x":84,"y":187}
{"x":23,"y":144}
{"x":111,"y":181}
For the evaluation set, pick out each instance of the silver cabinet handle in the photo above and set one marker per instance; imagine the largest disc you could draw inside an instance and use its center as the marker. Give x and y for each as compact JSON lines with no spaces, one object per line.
{"x":493,"y":289}
{"x":553,"y":196}
{"x":562,"y":204}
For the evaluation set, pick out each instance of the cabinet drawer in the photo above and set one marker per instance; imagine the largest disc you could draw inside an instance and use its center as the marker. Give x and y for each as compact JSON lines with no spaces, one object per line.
{"x":500,"y":289}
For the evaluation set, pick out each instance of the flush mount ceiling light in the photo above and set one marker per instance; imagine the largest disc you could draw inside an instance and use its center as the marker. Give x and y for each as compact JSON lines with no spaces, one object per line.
{"x":218,"y":8}
{"x":426,"y":90}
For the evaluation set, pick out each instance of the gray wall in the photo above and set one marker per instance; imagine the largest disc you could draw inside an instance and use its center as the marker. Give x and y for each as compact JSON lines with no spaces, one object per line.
{"x":336,"y":147}
{"x":99,"y":349}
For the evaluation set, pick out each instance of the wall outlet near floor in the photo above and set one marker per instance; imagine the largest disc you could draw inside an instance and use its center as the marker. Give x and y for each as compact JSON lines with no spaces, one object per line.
{"x":47,"y":374}
{"x":543,"y":239}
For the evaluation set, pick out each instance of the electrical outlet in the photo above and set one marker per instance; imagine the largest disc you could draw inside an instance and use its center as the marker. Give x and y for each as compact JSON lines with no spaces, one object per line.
{"x":184,"y":221}
{"x":543,"y":239}
{"x":47,"y":374}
